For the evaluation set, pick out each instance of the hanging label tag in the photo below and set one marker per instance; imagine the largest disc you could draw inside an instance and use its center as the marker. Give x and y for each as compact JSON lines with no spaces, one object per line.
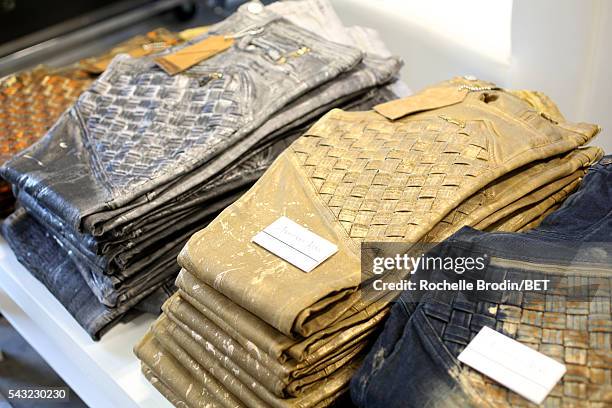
{"x":140,"y":46}
{"x":193,"y":54}
{"x":427,"y":99}
{"x":523,"y":370}
{"x":295,"y":244}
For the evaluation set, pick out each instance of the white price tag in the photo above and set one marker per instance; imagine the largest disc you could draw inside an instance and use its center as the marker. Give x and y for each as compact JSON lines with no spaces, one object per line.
{"x":295,"y":244}
{"x":523,"y":370}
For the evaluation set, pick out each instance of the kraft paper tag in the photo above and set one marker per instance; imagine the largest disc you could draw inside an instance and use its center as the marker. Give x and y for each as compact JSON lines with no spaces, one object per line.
{"x":295,"y":244}
{"x":193,"y":54}
{"x":523,"y":370}
{"x":430,"y":98}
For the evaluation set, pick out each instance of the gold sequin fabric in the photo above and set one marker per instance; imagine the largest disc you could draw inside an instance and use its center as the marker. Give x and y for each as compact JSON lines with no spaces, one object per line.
{"x":31,"y":101}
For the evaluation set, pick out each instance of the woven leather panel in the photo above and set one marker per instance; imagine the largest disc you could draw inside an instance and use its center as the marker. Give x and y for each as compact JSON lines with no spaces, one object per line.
{"x":169,"y":118}
{"x":142,"y":125}
{"x":487,"y":197}
{"x":574,"y":330}
{"x":31,"y":102}
{"x":381,"y":179}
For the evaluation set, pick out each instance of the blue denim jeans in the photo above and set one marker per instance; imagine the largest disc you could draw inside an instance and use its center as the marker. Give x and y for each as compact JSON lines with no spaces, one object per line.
{"x":414,"y":361}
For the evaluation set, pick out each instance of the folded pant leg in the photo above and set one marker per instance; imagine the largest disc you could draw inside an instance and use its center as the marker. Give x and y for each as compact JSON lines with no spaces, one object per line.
{"x":218,"y":363}
{"x":305,"y":383}
{"x":156,"y":264}
{"x":106,"y":263}
{"x":281,"y":379}
{"x":163,"y":389}
{"x":536,"y":222}
{"x":201,"y":390}
{"x":134,"y":259}
{"x":226,"y":357}
{"x":503,"y":196}
{"x":254,"y":360}
{"x":530,"y":199}
{"x":322,"y":391}
{"x":248,"y":329}
{"x":39,"y":252}
{"x":153,"y":303}
{"x":521,"y":218}
{"x":198,"y":317}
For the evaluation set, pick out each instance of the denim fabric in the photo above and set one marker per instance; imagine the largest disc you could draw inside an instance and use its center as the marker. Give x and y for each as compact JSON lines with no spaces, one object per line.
{"x":152,"y":303}
{"x":91,"y":159}
{"x":44,"y":257}
{"x":414,"y":361}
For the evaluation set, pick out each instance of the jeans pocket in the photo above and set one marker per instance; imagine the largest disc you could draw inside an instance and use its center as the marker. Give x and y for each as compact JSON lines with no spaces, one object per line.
{"x":420,"y":371}
{"x":154,"y":122}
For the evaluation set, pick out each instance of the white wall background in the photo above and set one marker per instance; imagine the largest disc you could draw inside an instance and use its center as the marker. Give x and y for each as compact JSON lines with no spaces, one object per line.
{"x":560,"y":47}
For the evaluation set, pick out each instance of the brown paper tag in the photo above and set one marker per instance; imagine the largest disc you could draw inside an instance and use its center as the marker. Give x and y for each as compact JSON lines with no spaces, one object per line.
{"x":430,"y":98}
{"x":190,"y":56}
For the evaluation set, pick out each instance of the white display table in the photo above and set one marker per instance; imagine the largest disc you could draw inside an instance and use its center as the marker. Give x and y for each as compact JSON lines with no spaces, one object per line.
{"x":104,"y":373}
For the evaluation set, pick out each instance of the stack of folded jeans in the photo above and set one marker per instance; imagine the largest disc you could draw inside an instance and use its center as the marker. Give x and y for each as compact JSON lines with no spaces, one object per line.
{"x":42,"y":94}
{"x":144,"y":159}
{"x":248,"y":328}
{"x":570,"y":321}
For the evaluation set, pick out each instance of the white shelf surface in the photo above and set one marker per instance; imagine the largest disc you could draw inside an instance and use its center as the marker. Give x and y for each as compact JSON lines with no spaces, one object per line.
{"x":105,"y":373}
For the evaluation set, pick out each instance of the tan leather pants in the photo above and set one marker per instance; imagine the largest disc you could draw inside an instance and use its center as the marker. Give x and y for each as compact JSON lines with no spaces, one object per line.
{"x":459,"y":153}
